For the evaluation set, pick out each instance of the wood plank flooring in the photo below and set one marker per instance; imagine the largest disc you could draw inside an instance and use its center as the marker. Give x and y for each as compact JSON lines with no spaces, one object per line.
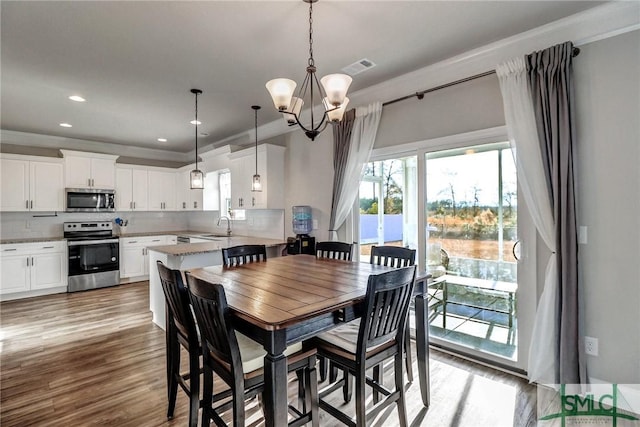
{"x":95,"y":359}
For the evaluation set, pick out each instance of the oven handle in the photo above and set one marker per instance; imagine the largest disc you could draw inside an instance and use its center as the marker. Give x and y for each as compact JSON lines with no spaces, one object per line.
{"x":92,"y":242}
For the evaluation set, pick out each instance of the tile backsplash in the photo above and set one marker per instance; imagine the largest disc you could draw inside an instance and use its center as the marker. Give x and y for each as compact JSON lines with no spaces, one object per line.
{"x":258,"y":223}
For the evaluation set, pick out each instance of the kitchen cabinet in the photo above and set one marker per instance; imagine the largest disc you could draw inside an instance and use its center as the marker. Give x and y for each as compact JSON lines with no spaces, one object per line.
{"x":162,"y":190}
{"x":31,"y":183}
{"x":31,"y":269}
{"x":132,"y":189}
{"x":134,"y":256}
{"x":89,"y":170}
{"x":271,"y":171}
{"x":187,"y":199}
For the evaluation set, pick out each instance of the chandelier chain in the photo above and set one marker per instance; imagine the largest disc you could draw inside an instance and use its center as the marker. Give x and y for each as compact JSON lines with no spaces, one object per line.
{"x":311,"y":62}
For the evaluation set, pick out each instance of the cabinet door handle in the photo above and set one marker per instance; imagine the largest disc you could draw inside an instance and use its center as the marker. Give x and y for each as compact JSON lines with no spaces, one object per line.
{"x":26,"y":206}
{"x":33,"y":262}
{"x":195,"y":205}
{"x":47,"y":247}
{"x":8,"y":250}
{"x":132,"y":241}
{"x":27,"y":261}
{"x":253,"y":201}
{"x":92,"y":183}
{"x":31,"y":206}
{"x":134,"y":205}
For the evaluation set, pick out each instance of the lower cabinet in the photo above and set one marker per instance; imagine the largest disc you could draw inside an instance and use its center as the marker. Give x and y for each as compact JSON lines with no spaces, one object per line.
{"x":30,"y":269}
{"x":134,"y":256}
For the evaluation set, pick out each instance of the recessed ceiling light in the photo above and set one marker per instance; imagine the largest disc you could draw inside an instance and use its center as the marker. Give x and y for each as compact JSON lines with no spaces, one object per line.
{"x":77,"y":98}
{"x":65,"y":125}
{"x":162,"y":139}
{"x":195,"y":122}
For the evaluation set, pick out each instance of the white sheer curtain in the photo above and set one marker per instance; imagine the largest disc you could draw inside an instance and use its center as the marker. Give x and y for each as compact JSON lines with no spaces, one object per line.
{"x":523,"y":135}
{"x":365,"y":128}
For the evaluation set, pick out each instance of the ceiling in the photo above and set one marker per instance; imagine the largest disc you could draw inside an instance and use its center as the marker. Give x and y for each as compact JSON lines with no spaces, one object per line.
{"x":135,"y":62}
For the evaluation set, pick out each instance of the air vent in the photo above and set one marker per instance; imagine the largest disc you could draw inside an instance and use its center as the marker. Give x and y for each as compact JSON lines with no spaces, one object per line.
{"x":358,"y":67}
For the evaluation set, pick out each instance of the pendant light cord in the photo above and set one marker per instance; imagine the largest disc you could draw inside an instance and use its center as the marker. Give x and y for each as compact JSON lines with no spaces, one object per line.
{"x":196,"y":131}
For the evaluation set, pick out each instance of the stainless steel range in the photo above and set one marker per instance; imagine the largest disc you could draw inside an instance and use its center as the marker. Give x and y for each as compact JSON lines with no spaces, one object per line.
{"x":93,"y":255}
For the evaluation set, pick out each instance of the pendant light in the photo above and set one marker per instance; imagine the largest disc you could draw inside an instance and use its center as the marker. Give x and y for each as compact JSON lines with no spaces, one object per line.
{"x":196,"y":176}
{"x":332,"y":93}
{"x":255,"y":183}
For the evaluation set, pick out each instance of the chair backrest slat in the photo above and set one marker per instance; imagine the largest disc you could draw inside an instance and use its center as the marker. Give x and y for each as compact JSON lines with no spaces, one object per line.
{"x":243,"y":254}
{"x":392,"y":256}
{"x":334,"y":250}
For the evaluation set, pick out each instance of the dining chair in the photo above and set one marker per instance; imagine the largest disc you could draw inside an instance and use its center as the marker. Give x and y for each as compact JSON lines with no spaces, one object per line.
{"x":239,"y":361}
{"x":369,"y":341}
{"x":396,"y":256}
{"x":334,"y":250}
{"x":243,"y":254}
{"x":180,"y":331}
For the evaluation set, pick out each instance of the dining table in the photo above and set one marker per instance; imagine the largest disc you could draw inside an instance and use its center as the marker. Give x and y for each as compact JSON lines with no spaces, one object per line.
{"x":289,"y":299}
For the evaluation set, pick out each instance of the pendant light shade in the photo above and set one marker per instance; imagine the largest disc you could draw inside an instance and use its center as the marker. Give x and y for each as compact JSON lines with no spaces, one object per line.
{"x":196,"y":176}
{"x":256,"y":185}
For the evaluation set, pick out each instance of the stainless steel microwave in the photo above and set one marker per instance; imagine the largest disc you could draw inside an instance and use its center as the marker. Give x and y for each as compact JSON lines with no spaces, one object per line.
{"x":90,"y":200}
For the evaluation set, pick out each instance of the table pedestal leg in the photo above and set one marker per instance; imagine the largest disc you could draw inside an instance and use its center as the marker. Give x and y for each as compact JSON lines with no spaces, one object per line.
{"x":275,"y":390}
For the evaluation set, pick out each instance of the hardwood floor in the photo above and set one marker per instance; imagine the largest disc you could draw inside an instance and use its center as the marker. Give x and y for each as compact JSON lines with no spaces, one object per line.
{"x":95,"y":358}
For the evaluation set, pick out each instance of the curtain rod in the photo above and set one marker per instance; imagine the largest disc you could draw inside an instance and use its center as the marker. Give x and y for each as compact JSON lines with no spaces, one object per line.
{"x":420,"y":95}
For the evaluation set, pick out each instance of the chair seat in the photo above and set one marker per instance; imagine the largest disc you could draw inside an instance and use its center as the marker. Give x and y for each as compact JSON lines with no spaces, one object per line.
{"x":345,"y":337}
{"x":252,"y":353}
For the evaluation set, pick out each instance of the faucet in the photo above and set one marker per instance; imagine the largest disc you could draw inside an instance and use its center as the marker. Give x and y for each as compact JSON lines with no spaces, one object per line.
{"x":228,"y":224}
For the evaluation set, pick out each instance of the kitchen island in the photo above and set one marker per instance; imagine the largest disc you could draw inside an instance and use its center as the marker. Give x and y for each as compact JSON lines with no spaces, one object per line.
{"x":195,"y":255}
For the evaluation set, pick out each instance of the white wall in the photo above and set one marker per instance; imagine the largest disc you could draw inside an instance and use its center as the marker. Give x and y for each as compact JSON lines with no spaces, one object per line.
{"x":309,"y":178}
{"x":607,"y":75}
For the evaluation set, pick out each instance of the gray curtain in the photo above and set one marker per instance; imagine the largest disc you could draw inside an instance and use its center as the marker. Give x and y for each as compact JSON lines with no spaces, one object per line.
{"x":341,"y":141}
{"x":550,"y":76}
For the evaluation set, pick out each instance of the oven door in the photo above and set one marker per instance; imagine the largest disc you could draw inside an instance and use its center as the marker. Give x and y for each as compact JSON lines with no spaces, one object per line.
{"x":93,"y":256}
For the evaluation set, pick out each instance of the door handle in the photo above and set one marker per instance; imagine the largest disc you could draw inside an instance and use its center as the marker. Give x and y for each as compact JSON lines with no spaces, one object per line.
{"x":31,"y":207}
{"x":513,"y":250}
{"x":26,"y":206}
{"x":27,"y":261}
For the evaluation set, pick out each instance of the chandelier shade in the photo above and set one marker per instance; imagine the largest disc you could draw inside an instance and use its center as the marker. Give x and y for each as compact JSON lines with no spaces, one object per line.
{"x":331,"y":91}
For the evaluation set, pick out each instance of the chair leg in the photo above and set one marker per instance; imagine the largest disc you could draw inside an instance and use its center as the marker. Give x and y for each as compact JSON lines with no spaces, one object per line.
{"x":194,"y":387}
{"x":173,"y":370}
{"x":407,"y":351}
{"x":237,"y":404}
{"x":207,"y":395}
{"x":311,"y":395}
{"x":333,"y":372}
{"x":347,"y":388}
{"x":361,"y":415}
{"x":302,"y":386}
{"x":377,"y":377}
{"x":402,"y":407}
{"x":323,"y":368}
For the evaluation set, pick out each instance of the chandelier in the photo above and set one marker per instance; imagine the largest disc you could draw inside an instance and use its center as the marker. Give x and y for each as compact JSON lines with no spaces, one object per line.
{"x":332,"y":92}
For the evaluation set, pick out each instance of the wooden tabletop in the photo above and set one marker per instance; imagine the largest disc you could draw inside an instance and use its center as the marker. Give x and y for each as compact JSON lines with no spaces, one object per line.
{"x":285,"y":290}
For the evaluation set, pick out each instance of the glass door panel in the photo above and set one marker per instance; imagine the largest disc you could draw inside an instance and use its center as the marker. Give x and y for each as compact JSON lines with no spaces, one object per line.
{"x":471,"y":215}
{"x":388,"y":211}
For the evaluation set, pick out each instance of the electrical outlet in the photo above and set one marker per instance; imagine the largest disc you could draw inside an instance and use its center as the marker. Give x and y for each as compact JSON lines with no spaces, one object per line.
{"x":591,"y":346}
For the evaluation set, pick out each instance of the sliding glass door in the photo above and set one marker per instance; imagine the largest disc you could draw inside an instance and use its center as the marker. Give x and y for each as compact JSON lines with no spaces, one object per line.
{"x":472,"y":228}
{"x":457,"y":205}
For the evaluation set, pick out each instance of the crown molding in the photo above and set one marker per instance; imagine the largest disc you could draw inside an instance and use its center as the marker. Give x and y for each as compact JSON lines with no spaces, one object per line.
{"x":58,"y":142}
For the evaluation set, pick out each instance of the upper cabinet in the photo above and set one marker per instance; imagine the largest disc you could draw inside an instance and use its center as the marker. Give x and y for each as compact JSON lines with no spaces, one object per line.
{"x":89,"y":170}
{"x":271,"y":170}
{"x":132,"y":188}
{"x":186,"y":198}
{"x":31,"y":183}
{"x":162,"y":190}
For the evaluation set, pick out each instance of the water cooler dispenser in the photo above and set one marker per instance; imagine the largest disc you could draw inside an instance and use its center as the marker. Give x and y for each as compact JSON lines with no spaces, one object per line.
{"x":302,"y":226}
